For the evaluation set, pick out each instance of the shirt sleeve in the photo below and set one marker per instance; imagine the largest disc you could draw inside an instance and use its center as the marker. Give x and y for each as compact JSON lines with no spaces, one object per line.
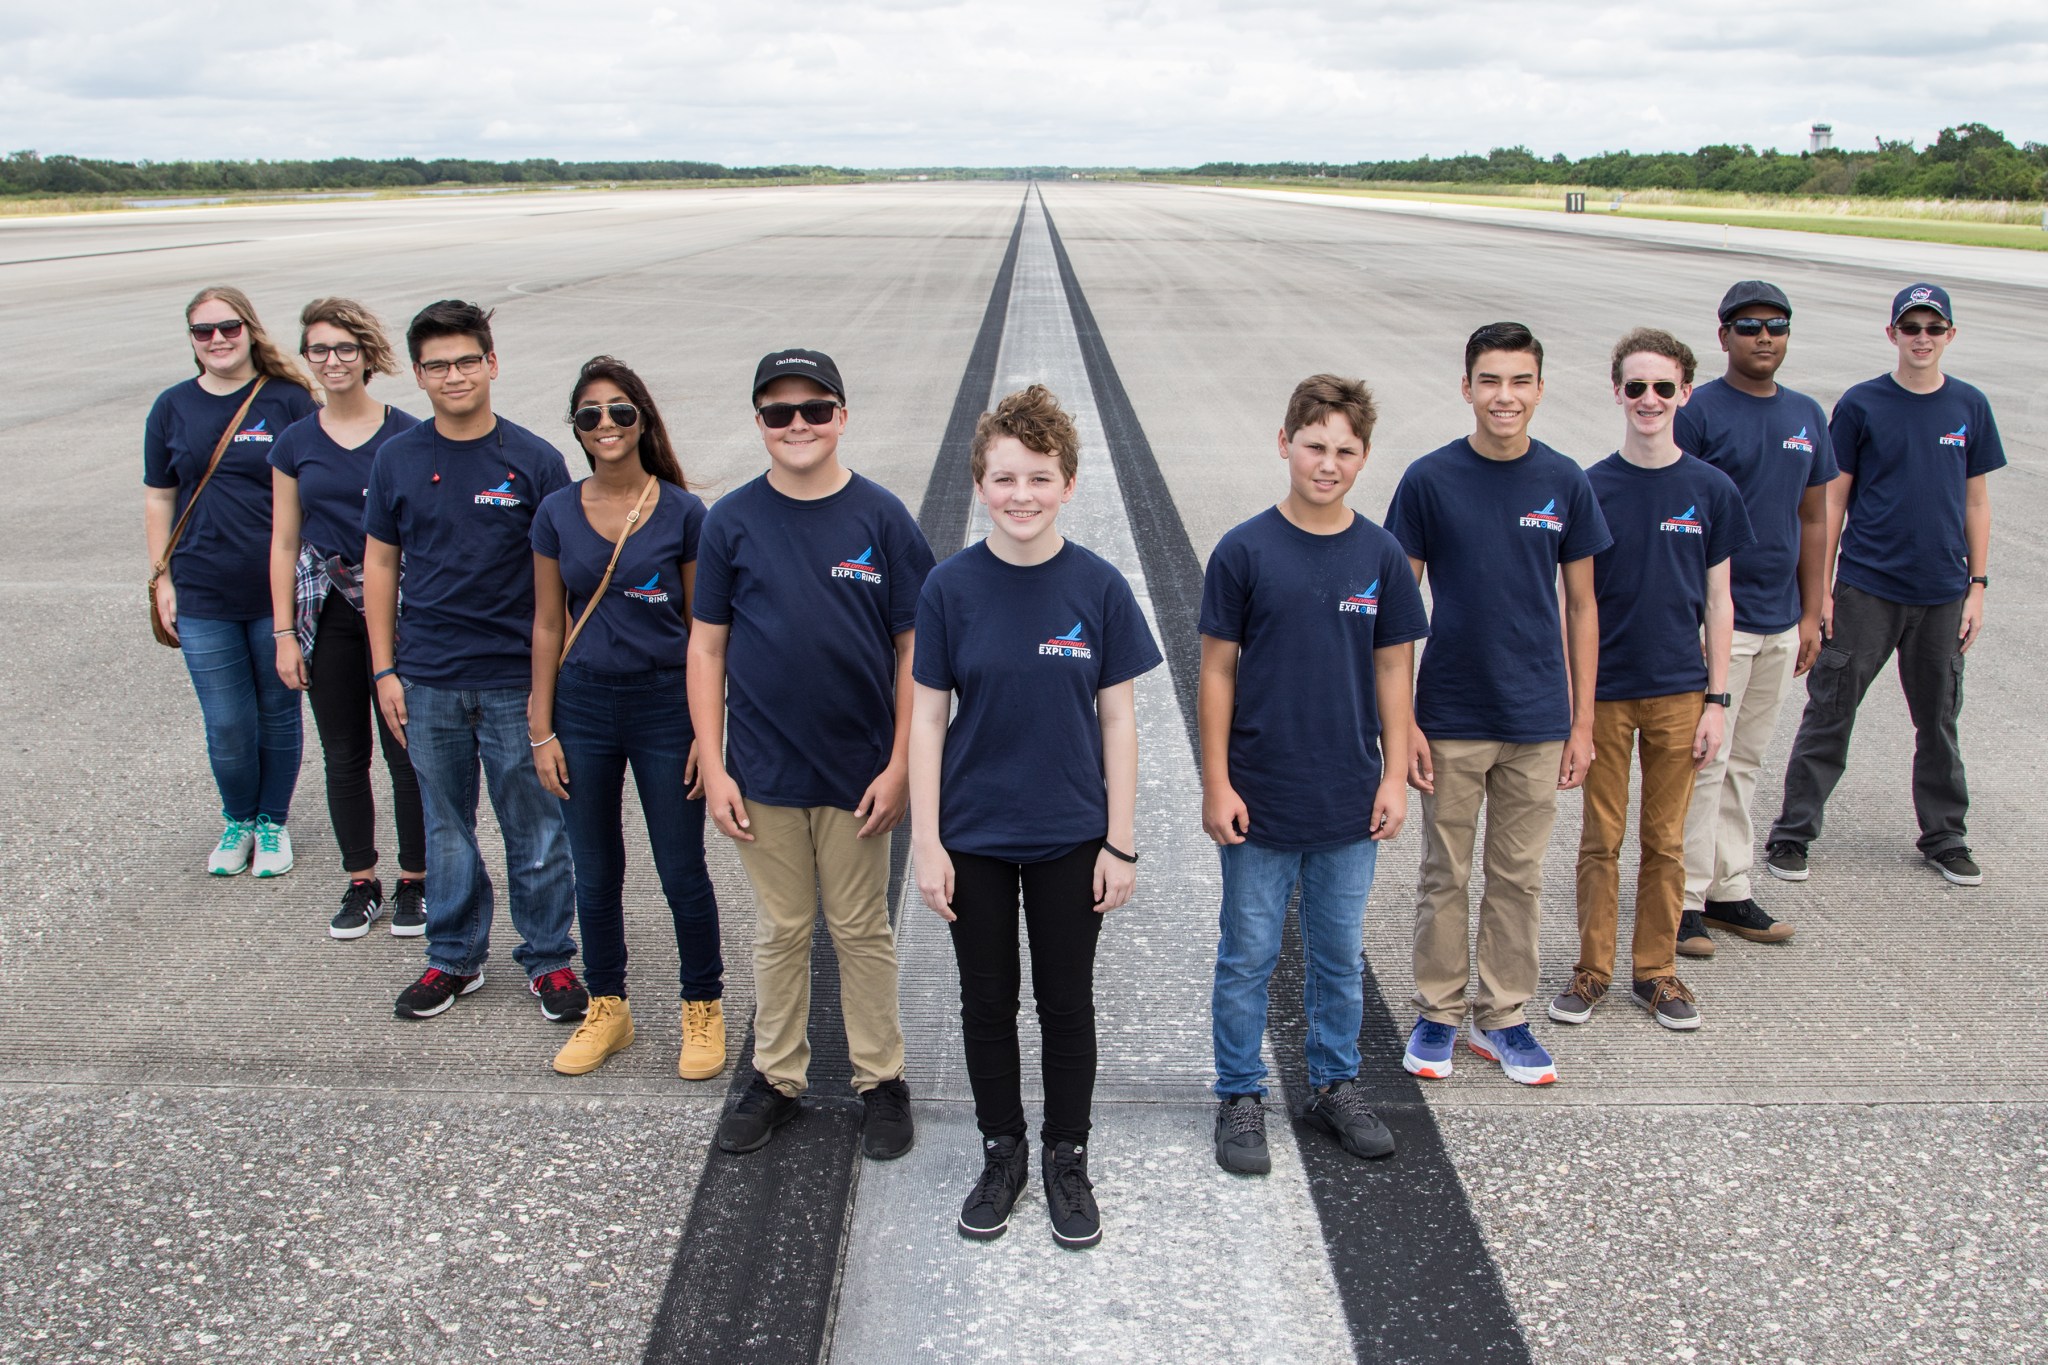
{"x":1586,"y":534}
{"x":1689,"y":430}
{"x":546,"y":541}
{"x":930,"y":662}
{"x":1845,"y":433}
{"x":156,"y":446}
{"x":552,"y":472}
{"x":284,"y":451}
{"x":713,"y":603}
{"x":693,"y":526}
{"x":910,"y":562}
{"x":1730,"y":530}
{"x":1401,"y":617}
{"x":380,"y":512}
{"x":1986,"y":450}
{"x":1407,"y":519}
{"x":1225,"y":592}
{"x":1128,"y":648}
{"x":1824,"y":468}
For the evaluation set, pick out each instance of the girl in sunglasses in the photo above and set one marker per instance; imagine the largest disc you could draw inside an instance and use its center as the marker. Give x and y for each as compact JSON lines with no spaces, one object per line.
{"x":614,"y":566}
{"x":320,"y":468}
{"x":206,"y":513}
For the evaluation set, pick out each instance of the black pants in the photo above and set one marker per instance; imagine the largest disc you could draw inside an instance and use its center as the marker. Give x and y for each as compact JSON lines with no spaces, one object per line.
{"x":1868,"y":630}
{"x":344,"y":709}
{"x":1059,"y":901}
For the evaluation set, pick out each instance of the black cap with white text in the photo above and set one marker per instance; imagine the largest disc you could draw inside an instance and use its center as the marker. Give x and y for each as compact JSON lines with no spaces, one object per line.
{"x":815,"y":366}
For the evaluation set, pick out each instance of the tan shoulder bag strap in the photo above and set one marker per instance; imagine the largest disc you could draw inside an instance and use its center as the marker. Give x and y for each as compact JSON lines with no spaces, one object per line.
{"x":632,"y":525}
{"x":220,"y":448}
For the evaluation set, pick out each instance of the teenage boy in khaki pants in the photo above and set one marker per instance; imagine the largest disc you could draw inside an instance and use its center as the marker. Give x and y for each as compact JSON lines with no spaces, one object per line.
{"x":1494,"y":519}
{"x":799,"y":678}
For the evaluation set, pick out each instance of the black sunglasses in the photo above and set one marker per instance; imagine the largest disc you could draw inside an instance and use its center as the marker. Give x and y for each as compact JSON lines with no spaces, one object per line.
{"x":588,"y":419}
{"x":1749,"y":327}
{"x":1664,"y":387}
{"x":229,"y":330}
{"x":816,"y":412}
{"x":1933,"y":329}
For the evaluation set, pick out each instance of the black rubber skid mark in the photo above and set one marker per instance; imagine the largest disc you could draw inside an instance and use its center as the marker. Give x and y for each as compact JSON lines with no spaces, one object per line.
{"x":1412,"y":1267}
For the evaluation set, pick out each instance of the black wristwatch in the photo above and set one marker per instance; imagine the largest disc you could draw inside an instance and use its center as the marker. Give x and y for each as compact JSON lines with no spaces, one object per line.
{"x":1724,"y":700}
{"x":1982,"y":580}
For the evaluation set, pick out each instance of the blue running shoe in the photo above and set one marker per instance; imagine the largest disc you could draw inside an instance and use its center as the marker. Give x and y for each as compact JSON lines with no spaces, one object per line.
{"x":1429,"y":1049}
{"x":1517,"y":1051}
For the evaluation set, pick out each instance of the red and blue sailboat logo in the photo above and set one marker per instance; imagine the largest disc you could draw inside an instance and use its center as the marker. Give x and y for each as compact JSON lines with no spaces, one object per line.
{"x":650,"y":591}
{"x":1545,"y":518}
{"x":1068,"y":646}
{"x":1365,"y":603}
{"x":1686,"y":523}
{"x":501,"y":496}
{"x":860,"y":568}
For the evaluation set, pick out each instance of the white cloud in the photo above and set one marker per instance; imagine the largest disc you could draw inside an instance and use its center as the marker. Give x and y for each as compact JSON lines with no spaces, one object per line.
{"x":911,"y":82}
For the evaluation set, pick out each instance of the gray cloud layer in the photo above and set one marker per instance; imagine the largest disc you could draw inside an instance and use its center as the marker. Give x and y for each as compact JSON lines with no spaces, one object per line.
{"x":907,"y":82}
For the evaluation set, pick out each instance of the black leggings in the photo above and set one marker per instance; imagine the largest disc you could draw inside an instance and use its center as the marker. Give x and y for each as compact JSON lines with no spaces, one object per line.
{"x":1059,"y":909}
{"x":344,"y":703}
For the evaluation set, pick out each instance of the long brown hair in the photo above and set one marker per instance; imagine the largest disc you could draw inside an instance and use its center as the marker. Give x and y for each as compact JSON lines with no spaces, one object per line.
{"x":263,"y":352}
{"x":657,"y":453}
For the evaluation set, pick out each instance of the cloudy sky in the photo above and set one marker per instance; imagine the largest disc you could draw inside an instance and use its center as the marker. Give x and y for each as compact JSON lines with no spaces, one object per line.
{"x":1074,"y":82}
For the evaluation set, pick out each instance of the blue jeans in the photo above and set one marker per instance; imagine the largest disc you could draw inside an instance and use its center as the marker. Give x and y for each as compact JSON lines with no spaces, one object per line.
{"x":605,"y":722}
{"x":253,"y":728}
{"x":1257,"y":882}
{"x":446,"y":733}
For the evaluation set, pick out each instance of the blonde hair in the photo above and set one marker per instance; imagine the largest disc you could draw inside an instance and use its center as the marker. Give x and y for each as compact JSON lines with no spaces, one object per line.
{"x":360,"y":323}
{"x":1034,"y":419}
{"x":263,"y":352}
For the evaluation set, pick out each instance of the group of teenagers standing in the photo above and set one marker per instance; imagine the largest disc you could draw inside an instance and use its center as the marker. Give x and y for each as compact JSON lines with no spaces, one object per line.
{"x":794,"y":663}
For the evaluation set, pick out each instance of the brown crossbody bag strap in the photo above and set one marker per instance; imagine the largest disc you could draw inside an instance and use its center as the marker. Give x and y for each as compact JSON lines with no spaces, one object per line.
{"x":632,"y":525}
{"x":164,"y":634}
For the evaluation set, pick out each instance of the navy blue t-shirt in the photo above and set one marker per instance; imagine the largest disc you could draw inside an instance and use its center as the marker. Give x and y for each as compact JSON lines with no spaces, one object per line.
{"x":1492,"y":534}
{"x":815,"y":592}
{"x":642,"y":623}
{"x":1670,"y":526}
{"x":1027,"y":648}
{"x":1775,"y":449}
{"x":333,"y":480}
{"x":1911,"y":455}
{"x":221,"y":567}
{"x":1307,"y":612}
{"x":467,"y":618}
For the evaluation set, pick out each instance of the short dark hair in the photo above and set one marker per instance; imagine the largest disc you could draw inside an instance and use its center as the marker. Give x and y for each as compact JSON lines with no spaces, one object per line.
{"x":449,"y":318}
{"x":1502,"y":336}
{"x":1319,"y":396}
{"x":1650,"y":341}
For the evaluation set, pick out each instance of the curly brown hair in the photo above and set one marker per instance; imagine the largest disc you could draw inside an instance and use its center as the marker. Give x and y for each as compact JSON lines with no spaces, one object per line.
{"x":1318,"y":396}
{"x":360,"y":323}
{"x":1650,"y":341}
{"x":1033,"y":418}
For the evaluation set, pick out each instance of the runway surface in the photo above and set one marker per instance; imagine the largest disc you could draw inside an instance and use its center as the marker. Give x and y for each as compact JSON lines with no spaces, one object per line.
{"x":219,"y":1144}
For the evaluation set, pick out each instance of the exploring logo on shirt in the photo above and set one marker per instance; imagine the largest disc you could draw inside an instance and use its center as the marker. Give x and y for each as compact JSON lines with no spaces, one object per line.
{"x":650,"y":591}
{"x":1959,"y":438}
{"x":1801,"y":443}
{"x":1686,"y":523}
{"x":1068,"y":646}
{"x":259,"y":432}
{"x":860,"y":568}
{"x":1545,"y":518}
{"x":1365,"y":603}
{"x":501,"y":496}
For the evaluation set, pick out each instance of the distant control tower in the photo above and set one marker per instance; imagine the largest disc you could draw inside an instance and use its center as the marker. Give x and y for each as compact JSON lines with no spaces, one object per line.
{"x":1823,"y":137}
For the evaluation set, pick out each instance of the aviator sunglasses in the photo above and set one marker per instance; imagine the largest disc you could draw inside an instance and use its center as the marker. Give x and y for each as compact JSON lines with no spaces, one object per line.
{"x":816,"y":412}
{"x":228,"y":330}
{"x":588,"y":419}
{"x":1913,"y":329}
{"x":1664,"y":387}
{"x":1749,"y":327}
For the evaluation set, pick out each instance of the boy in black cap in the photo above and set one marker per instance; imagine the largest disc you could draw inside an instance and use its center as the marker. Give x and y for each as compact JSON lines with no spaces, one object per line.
{"x":799,"y":680}
{"x":1774,"y":443}
{"x":1914,"y":447}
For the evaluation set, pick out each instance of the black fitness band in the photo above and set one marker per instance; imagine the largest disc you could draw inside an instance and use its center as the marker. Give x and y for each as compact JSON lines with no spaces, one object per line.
{"x":1113,"y":851}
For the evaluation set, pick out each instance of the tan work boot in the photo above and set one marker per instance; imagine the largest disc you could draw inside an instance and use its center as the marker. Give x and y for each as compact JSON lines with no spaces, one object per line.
{"x":703,"y":1040}
{"x":607,"y":1027}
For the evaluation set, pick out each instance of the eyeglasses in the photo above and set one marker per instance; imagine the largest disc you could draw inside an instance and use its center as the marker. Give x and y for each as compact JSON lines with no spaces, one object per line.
{"x":1933,"y":329}
{"x":346,"y":352}
{"x":590,"y":418}
{"x":228,"y":330}
{"x":1664,"y":387}
{"x":816,"y":413}
{"x":1749,"y":327}
{"x":438,"y":369}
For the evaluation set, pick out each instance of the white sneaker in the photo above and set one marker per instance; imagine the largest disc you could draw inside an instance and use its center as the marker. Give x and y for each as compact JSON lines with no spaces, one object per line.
{"x":231,"y":858}
{"x":273,"y":848}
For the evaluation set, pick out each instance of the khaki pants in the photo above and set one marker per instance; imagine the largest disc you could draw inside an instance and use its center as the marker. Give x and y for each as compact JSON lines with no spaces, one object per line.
{"x":1517,"y":784}
{"x":1720,"y":840}
{"x":800,"y":856}
{"x":1666,"y":725}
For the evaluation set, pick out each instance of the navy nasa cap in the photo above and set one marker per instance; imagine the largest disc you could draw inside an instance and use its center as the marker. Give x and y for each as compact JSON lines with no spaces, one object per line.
{"x":1921,"y":296}
{"x":815,"y":366}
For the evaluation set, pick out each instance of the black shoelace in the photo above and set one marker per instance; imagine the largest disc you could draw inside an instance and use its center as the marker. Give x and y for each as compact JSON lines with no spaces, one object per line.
{"x":1246,"y":1117}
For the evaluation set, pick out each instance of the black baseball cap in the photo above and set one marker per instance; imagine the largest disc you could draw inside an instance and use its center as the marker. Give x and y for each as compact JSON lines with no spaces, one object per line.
{"x":815,"y":366}
{"x":1743,"y":293}
{"x":1921,"y":296}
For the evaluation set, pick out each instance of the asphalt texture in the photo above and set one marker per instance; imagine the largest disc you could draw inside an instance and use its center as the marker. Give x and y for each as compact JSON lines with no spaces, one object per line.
{"x":218,"y":1144}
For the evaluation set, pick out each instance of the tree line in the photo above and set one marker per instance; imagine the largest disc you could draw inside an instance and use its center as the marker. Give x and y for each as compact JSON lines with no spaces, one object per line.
{"x":30,"y":173}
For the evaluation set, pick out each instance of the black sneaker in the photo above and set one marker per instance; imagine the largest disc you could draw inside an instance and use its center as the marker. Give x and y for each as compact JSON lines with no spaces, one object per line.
{"x":1339,"y":1110}
{"x":562,"y":997}
{"x":986,"y":1214}
{"x":886,"y":1131}
{"x":1692,"y":936}
{"x":762,"y":1109}
{"x":1069,"y":1195}
{"x":1668,"y":1002}
{"x":1745,"y":919}
{"x":1785,"y":860}
{"x":409,"y":909}
{"x":1958,"y":866}
{"x":433,"y":993}
{"x":360,"y":906}
{"x":1241,"y":1136}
